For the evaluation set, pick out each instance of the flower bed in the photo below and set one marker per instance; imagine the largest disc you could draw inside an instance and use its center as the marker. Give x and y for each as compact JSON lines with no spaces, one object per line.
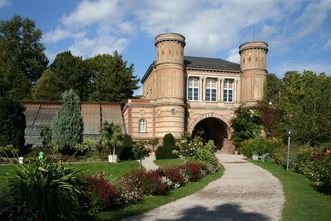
{"x":135,"y":185}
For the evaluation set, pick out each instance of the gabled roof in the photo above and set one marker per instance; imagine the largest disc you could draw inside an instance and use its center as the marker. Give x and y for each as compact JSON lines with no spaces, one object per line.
{"x":201,"y":63}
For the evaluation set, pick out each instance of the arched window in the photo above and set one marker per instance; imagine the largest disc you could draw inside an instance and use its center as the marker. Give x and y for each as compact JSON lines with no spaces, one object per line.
{"x":142,"y":126}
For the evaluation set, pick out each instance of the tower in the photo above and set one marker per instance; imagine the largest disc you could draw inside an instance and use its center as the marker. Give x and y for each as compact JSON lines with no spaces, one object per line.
{"x":170,"y":78}
{"x":253,"y":66}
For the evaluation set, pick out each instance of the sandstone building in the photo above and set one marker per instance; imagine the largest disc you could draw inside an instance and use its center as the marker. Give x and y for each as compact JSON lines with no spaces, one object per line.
{"x":179,"y":93}
{"x":193,"y":93}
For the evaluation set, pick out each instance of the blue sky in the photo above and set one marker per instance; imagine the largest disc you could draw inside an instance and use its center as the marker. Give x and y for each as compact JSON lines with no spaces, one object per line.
{"x":298,"y":31}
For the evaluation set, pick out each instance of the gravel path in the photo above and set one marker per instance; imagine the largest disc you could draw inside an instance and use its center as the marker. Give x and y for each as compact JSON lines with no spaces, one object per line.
{"x":245,"y":192}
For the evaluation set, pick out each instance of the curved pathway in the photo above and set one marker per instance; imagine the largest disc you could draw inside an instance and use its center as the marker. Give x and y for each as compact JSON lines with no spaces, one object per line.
{"x":245,"y":192}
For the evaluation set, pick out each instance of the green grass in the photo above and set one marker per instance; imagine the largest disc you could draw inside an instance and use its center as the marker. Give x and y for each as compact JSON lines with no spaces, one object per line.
{"x":303,"y":201}
{"x":152,"y":202}
{"x":112,"y":171}
{"x":168,"y":162}
{"x":6,"y":172}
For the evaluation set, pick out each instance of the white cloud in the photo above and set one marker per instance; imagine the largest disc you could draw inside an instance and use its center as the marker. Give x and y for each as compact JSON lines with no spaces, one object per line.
{"x":102,"y":45}
{"x":60,"y":34}
{"x":234,"y":56}
{"x":91,"y":12}
{"x":210,"y":26}
{"x":95,"y":27}
{"x":312,"y":17}
{"x":4,"y":3}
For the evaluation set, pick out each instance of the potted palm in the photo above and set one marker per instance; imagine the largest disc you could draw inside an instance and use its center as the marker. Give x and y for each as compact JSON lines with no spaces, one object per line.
{"x":111,"y":137}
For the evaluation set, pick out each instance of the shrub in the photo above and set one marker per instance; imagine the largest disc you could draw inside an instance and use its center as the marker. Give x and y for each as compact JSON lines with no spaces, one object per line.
{"x":165,"y":152}
{"x":53,"y":190}
{"x":129,"y":186}
{"x":194,"y":171}
{"x":140,"y":152}
{"x":204,"y":156}
{"x":12,"y":211}
{"x":12,"y":124}
{"x":169,"y":140}
{"x":175,"y":175}
{"x":86,"y":146}
{"x":260,"y":145}
{"x":67,"y":124}
{"x":8,"y":151}
{"x":125,"y":150}
{"x":322,"y":164}
{"x":152,"y":183}
{"x":246,"y":124}
{"x":315,"y":164}
{"x":46,"y":135}
{"x":100,"y":192}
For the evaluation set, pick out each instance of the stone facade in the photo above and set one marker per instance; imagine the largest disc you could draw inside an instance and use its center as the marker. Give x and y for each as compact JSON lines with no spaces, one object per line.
{"x":182,"y":93}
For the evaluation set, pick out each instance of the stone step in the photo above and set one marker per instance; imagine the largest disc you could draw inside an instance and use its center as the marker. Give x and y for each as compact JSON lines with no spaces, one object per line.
{"x":228,"y":147}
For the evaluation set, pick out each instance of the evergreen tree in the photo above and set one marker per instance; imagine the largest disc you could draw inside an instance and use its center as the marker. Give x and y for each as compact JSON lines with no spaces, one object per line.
{"x":67,"y":124}
{"x":12,"y":124}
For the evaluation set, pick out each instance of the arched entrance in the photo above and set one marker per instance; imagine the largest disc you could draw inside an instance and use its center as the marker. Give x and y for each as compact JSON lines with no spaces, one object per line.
{"x":212,"y":128}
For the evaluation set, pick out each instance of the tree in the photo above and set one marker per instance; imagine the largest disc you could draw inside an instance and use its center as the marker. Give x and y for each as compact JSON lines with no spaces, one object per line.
{"x":12,"y":121}
{"x":22,"y":56}
{"x":246,"y":124}
{"x":66,"y":72}
{"x":140,"y":152}
{"x":111,"y":136}
{"x":113,"y":79}
{"x":67,"y":124}
{"x":273,"y":89}
{"x":154,"y":142}
{"x":306,"y":105}
{"x":125,"y":150}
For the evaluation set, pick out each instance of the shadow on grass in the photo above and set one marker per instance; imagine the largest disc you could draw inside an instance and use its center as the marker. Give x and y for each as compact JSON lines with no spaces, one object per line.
{"x":228,"y":212}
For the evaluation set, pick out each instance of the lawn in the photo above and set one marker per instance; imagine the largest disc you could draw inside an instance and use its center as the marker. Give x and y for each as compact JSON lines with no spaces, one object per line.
{"x":152,"y":202}
{"x":112,"y":171}
{"x":169,"y":162}
{"x":303,"y":201}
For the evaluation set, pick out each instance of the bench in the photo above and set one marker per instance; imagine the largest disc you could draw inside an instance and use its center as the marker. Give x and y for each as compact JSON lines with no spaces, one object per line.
{"x":263,"y":156}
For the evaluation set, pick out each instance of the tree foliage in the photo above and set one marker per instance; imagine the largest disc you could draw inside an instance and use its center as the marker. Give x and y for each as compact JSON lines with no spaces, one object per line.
{"x":111,"y":136}
{"x":66,"y":72}
{"x":273,"y":89}
{"x":22,"y":57}
{"x":246,"y":124}
{"x":12,"y":124}
{"x":112,"y":78}
{"x":307,"y":106}
{"x":67,"y":124}
{"x":300,"y":103}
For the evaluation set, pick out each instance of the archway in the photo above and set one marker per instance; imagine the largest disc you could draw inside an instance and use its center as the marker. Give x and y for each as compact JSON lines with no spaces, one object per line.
{"x":212,"y":128}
